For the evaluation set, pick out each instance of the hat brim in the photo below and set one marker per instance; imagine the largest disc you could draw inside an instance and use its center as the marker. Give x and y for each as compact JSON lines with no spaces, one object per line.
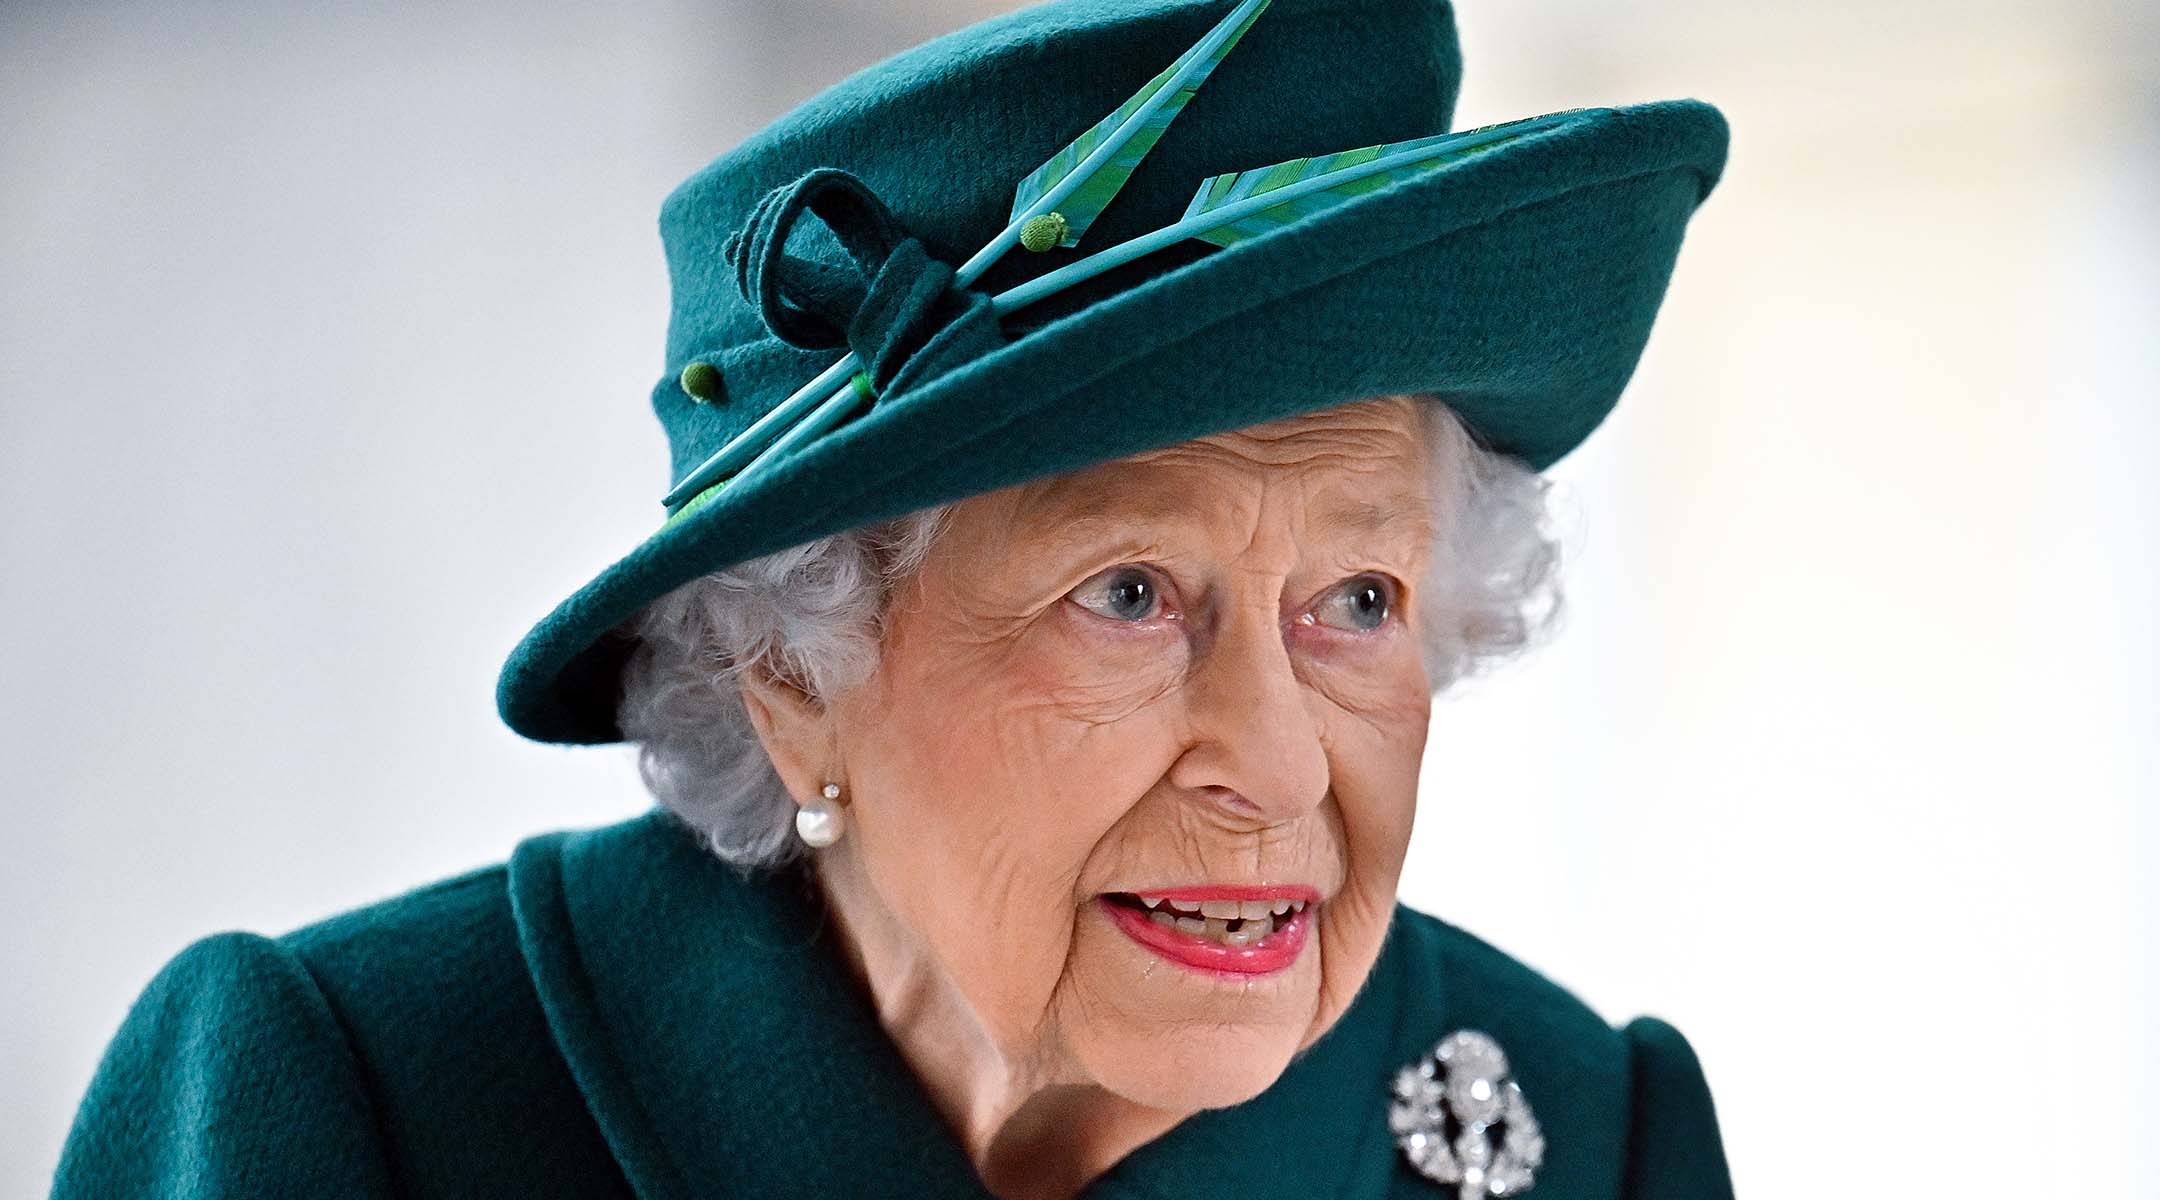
{"x":1517,"y":286}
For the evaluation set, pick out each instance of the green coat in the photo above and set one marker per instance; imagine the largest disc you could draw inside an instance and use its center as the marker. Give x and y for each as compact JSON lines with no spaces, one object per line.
{"x":614,"y":1012}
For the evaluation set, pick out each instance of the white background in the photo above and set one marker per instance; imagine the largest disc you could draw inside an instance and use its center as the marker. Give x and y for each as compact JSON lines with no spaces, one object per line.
{"x":324,"y":339}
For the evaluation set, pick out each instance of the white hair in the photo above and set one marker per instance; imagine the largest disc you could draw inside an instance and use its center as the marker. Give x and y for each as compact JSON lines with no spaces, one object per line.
{"x":813,"y":614}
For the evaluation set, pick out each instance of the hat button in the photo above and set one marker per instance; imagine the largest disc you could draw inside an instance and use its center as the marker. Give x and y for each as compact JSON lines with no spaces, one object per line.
{"x":701,"y":381}
{"x":1043,"y":231}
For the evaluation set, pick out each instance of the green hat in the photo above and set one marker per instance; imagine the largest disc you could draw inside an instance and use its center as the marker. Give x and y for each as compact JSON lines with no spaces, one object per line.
{"x":1039,"y":243}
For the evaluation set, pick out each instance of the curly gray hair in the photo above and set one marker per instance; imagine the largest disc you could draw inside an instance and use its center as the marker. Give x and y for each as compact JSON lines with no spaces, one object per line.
{"x":814,"y":614}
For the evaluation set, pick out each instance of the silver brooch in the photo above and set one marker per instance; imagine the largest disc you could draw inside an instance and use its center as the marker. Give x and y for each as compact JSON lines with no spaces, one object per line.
{"x":1460,"y":1119}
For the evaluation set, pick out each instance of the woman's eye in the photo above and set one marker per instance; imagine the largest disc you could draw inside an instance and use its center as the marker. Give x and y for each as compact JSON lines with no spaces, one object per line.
{"x":1120,"y":593}
{"x":1361,"y":605}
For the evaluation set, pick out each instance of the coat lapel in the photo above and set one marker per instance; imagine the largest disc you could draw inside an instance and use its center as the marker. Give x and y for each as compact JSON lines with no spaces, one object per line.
{"x":725,"y":1049}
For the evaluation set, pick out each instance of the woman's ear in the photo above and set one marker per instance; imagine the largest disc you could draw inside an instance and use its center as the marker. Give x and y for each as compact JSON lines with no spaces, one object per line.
{"x":795,"y":727}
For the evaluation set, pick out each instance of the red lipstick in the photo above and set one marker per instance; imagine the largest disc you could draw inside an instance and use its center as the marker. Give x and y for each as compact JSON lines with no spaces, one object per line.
{"x":1151,"y":919}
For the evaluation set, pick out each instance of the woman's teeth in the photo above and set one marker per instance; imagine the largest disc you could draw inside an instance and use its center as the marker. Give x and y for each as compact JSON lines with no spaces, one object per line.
{"x":1250,"y":910}
{"x":1231,"y":922}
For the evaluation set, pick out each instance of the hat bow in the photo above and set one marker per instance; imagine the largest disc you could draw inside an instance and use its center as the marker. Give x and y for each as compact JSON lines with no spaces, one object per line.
{"x":892,"y":303}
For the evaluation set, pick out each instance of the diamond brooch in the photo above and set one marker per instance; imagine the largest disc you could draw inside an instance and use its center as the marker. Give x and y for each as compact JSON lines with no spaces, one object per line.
{"x":1461,"y":1120}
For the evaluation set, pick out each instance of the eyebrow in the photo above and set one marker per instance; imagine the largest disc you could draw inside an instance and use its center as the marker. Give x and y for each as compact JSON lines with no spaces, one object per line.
{"x":1372,"y":516}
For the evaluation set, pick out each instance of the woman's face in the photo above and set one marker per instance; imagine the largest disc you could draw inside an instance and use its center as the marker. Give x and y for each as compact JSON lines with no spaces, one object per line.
{"x":1188,"y":671}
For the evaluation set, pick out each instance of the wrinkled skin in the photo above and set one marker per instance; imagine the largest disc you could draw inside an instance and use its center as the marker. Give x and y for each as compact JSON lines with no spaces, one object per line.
{"x":1040,"y":731}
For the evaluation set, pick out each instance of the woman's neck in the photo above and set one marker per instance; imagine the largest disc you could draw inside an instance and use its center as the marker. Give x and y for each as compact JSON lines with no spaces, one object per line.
{"x":1032,"y":1128}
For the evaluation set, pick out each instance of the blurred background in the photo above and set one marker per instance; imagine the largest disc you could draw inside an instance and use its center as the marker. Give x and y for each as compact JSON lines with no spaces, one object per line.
{"x":1845,"y":760}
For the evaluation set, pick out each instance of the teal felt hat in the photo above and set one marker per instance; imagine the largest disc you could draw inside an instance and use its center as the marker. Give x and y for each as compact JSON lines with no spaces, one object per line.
{"x":1040,"y":242}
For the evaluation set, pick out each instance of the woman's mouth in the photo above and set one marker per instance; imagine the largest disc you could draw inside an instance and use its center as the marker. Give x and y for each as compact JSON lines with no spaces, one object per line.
{"x":1238,"y":930}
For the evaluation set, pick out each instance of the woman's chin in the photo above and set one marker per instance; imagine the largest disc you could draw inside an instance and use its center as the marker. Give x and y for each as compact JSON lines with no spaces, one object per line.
{"x":1171,"y":1031}
{"x":1180,"y":1074}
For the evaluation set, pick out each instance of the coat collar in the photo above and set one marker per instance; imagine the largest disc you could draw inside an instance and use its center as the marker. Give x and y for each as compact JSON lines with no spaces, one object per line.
{"x":725,"y":1049}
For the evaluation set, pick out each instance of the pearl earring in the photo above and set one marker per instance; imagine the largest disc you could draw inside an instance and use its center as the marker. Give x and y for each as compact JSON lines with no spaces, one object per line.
{"x":820,"y":822}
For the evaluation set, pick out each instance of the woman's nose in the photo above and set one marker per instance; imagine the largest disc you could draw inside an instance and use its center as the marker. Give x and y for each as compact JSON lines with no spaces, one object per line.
{"x":1253,"y":728}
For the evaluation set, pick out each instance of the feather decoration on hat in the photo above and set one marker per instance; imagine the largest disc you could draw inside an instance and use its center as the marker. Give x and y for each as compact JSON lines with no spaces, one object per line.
{"x":1129,"y":133}
{"x":1309,"y":185}
{"x":1241,"y":204}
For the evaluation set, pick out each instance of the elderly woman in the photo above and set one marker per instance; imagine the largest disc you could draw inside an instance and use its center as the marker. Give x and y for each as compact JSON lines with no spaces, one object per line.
{"x":1033,"y":671}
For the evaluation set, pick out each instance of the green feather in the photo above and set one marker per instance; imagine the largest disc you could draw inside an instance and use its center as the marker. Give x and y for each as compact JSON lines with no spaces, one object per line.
{"x":1132,"y":131}
{"x":1354,"y":173}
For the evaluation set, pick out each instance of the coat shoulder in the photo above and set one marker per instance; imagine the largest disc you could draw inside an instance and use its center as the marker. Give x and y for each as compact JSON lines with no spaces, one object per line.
{"x":397,"y":1048}
{"x":1480,"y":981}
{"x":1626,"y":1109}
{"x":229,"y":1056}
{"x":434,"y":991}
